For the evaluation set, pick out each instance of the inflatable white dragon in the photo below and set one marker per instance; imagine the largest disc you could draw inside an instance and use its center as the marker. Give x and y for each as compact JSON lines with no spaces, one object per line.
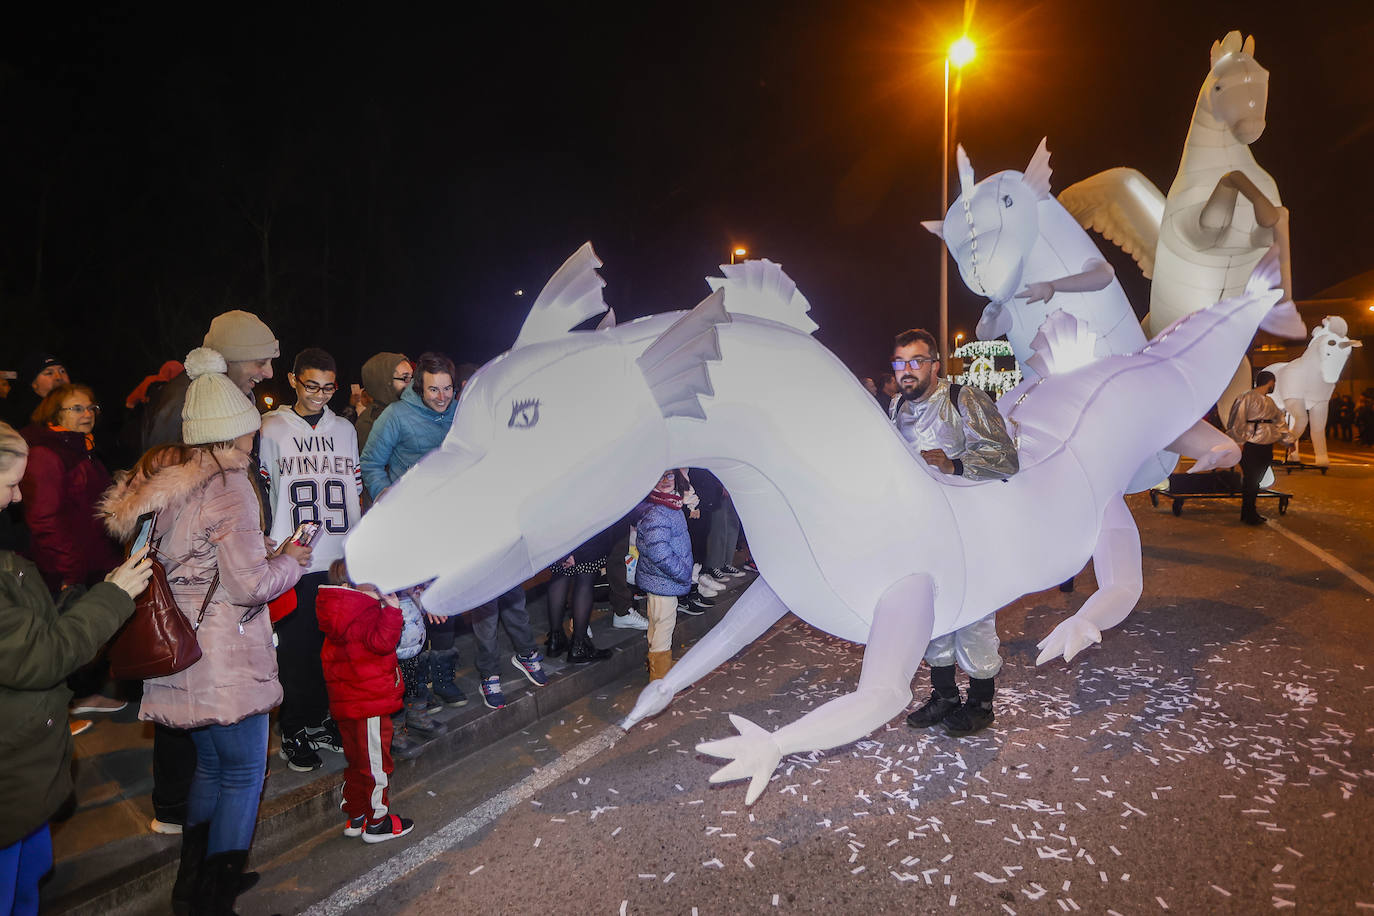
{"x":1223,"y":212}
{"x":850,"y":532}
{"x":1017,"y":245}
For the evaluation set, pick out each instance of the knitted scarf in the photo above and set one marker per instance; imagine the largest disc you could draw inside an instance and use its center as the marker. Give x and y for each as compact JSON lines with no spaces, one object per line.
{"x":667,"y":498}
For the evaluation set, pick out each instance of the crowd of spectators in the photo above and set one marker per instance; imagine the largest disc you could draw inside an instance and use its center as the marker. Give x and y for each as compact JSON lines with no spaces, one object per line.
{"x":252,"y":512}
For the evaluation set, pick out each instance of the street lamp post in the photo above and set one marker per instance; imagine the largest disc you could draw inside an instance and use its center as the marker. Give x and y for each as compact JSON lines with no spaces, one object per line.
{"x":960,"y":53}
{"x":738,"y":252}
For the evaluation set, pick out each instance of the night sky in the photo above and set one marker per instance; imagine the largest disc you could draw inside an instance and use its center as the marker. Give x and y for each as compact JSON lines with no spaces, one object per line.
{"x":387,"y":181}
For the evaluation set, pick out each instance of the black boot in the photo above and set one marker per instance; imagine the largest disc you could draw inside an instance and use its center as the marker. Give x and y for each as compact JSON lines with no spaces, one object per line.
{"x":584,"y":650}
{"x":443,"y":665}
{"x":556,"y":644}
{"x":944,"y":699}
{"x":976,"y":712}
{"x":194,"y":841}
{"x":220,"y":883}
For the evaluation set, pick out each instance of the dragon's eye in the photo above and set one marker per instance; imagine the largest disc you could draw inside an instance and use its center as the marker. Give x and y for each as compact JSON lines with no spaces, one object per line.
{"x":1006,"y":201}
{"x":524,"y":414}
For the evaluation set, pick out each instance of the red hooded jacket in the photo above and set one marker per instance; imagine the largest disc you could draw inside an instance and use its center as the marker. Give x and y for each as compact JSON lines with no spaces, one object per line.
{"x":359,"y":655}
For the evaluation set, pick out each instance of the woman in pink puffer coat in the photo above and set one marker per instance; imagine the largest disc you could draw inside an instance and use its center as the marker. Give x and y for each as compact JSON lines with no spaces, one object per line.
{"x":209,"y":537}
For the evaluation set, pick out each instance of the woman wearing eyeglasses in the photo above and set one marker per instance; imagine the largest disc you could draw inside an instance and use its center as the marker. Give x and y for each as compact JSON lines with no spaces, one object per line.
{"x":61,"y":486}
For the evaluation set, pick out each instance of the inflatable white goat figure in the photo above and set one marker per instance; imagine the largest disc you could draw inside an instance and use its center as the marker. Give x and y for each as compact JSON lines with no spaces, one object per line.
{"x":1303,"y":387}
{"x":1007,"y":232}
{"x":564,"y":433}
{"x":1199,"y":245}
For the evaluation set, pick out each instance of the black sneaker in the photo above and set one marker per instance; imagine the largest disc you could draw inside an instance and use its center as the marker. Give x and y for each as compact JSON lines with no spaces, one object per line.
{"x":388,"y":828}
{"x":971,"y":716}
{"x":298,"y":754}
{"x":933,"y":711}
{"x":326,"y":737}
{"x":698,"y":605}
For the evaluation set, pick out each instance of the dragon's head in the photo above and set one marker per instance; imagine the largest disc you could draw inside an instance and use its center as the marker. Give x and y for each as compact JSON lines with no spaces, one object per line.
{"x":551,"y":442}
{"x":992,"y":225}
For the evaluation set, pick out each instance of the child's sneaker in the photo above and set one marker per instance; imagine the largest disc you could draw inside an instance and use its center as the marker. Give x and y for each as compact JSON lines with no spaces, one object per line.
{"x":491,"y":692}
{"x":531,"y":666}
{"x":326,"y":736}
{"x":354,"y":825}
{"x":388,"y":828}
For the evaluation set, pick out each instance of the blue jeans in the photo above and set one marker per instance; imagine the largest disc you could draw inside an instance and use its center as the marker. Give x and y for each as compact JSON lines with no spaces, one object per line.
{"x":21,"y":865}
{"x":231,"y":763}
{"x":510,"y":610}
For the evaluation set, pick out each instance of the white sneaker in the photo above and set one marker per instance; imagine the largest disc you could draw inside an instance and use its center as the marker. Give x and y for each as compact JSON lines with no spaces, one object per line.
{"x":708,"y":581}
{"x":632,"y":620}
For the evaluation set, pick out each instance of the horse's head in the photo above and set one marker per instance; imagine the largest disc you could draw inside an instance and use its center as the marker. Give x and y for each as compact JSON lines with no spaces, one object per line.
{"x":552,"y":441}
{"x":1331,"y":347}
{"x":992,"y":226}
{"x":1236,"y":91}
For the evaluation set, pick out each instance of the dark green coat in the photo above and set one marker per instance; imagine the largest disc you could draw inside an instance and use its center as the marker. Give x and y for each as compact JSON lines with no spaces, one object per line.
{"x":39,"y":647}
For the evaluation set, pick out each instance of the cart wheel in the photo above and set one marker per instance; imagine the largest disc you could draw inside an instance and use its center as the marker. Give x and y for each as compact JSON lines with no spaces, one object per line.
{"x":1154,"y":498}
{"x":1283,"y":505}
{"x":1178,"y":507}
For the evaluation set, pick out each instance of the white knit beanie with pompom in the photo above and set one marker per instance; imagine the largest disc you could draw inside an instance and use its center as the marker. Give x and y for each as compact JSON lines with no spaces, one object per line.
{"x":215,"y":409}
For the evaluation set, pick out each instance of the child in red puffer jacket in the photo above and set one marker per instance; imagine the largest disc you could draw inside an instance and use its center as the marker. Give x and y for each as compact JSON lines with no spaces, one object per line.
{"x":361,"y":629}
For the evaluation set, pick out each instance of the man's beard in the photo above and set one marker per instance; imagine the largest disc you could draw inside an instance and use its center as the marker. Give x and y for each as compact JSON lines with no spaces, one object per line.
{"x":917,"y":390}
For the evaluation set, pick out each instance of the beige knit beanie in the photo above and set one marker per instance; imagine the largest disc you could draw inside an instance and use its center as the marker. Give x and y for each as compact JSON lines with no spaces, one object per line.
{"x":240,"y":335}
{"x":215,"y":409}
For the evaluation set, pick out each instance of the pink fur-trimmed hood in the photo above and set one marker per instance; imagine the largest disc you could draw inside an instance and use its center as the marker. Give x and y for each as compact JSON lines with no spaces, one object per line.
{"x":132,"y":495}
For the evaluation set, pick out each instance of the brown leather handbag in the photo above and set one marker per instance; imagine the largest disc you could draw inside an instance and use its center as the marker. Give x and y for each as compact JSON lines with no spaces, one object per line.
{"x":157,"y":640}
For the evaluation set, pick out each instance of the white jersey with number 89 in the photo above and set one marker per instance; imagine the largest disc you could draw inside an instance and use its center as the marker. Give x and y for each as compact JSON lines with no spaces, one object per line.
{"x":312,"y":475}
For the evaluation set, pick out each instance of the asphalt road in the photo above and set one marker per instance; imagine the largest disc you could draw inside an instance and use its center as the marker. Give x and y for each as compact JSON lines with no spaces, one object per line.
{"x":1215,"y":754}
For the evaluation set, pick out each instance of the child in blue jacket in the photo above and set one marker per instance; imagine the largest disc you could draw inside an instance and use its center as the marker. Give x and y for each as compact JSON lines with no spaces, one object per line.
{"x":664,"y":569}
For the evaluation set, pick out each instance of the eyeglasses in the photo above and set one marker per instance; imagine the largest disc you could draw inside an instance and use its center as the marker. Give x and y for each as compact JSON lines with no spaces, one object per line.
{"x":402,"y":378}
{"x":312,"y":388}
{"x":899,"y":364}
{"x":83,"y":408}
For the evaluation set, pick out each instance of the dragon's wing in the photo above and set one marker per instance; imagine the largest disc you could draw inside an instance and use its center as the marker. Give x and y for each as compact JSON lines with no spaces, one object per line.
{"x":1124,"y":206}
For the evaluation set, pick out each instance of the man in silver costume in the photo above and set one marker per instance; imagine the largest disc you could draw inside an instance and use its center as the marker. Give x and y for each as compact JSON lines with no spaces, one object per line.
{"x":957,"y":430}
{"x":1256,"y":423}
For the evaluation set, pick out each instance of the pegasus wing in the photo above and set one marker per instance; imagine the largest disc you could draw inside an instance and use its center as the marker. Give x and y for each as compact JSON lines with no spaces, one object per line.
{"x":1123,"y":206}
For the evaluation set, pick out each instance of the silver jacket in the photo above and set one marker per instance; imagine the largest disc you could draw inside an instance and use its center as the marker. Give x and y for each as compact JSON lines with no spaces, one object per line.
{"x":1255,"y":419}
{"x":973,"y":432}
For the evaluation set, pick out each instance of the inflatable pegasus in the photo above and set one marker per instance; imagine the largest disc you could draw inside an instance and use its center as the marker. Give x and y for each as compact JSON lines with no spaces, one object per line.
{"x":1223,"y":211}
{"x":1017,"y":245}
{"x":1303,"y":387}
{"x":561,"y":435}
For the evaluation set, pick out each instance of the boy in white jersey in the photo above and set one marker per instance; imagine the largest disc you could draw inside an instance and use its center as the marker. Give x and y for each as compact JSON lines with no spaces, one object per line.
{"x":309,"y":459}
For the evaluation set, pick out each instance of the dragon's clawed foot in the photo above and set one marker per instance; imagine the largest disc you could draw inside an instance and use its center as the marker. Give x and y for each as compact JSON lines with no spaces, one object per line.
{"x":753,"y":753}
{"x":1225,"y":455}
{"x":1068,"y":639}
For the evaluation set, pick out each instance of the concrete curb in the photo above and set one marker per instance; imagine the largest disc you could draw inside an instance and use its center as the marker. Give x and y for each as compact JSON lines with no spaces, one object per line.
{"x":144,"y":886}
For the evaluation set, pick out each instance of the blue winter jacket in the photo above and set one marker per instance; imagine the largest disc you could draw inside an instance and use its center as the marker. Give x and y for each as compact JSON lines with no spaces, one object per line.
{"x":665,"y":552}
{"x":404,"y":433}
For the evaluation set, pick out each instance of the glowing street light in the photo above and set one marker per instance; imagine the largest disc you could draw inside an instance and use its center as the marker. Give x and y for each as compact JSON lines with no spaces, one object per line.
{"x":740,"y":252}
{"x":959,"y":54}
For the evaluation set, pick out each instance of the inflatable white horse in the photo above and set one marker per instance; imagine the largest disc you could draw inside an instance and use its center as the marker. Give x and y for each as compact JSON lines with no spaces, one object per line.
{"x":564,"y":433}
{"x":1007,"y":232}
{"x":1222,"y":213}
{"x":1303,"y":387}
